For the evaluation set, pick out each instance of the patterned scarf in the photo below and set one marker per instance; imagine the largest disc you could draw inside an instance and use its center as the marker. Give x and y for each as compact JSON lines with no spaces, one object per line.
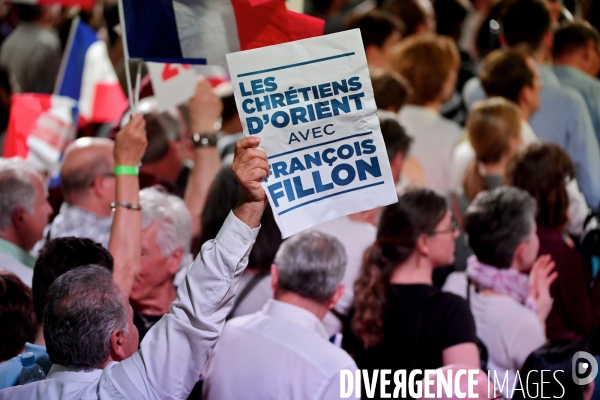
{"x":506,"y":281}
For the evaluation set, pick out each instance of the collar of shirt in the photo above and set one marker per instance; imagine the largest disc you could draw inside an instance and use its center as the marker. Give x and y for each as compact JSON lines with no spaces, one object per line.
{"x":422,"y":112}
{"x":527,"y":133}
{"x":68,"y":374}
{"x":17,"y":253}
{"x":296,"y":315}
{"x":547,"y":76}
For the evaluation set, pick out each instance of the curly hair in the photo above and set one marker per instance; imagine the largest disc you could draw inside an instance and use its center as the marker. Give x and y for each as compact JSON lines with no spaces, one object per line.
{"x":417,"y":212}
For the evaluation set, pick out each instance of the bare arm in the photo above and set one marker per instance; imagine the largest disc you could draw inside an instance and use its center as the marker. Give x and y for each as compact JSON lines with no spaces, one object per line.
{"x":126,"y":230}
{"x":205,"y":109}
{"x":464,"y":353}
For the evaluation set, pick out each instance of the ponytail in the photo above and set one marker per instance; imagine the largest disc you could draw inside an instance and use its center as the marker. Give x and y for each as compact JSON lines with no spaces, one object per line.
{"x":371,"y":297}
{"x":474,"y":182}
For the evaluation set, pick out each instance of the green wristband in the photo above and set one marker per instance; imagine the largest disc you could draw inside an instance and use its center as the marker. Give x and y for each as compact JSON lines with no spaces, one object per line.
{"x":126,"y":170}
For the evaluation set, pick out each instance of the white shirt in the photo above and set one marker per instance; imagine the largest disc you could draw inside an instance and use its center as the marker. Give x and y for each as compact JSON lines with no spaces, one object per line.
{"x":174,"y":351}
{"x":434,"y":139}
{"x":22,"y":271}
{"x":357,"y":237}
{"x":509,"y":330}
{"x":279,"y":353}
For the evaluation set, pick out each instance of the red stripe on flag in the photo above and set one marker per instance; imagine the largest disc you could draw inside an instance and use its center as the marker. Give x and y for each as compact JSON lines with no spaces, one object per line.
{"x":261,"y":23}
{"x":109,"y":103}
{"x":304,"y":26}
{"x":24,"y":112}
{"x":83,"y":4}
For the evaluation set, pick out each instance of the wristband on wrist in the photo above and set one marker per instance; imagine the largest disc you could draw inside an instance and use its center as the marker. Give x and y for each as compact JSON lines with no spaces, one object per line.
{"x":127,"y":170}
{"x":129,"y":206}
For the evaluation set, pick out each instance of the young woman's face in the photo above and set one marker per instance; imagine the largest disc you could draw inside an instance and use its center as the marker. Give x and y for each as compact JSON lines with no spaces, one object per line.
{"x":442,"y":242}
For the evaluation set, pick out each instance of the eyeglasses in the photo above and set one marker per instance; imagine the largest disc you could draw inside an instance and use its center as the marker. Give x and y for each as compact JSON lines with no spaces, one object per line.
{"x":455,"y":228}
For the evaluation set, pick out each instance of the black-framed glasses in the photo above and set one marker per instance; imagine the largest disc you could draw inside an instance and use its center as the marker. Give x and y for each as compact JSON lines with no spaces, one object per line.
{"x":454,"y":228}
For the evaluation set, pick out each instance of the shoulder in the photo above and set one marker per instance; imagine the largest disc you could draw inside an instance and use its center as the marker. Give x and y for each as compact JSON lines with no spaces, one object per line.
{"x":456,"y":283}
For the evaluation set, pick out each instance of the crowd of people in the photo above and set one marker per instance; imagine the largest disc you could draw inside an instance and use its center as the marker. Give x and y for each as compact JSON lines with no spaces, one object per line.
{"x":155,"y":268}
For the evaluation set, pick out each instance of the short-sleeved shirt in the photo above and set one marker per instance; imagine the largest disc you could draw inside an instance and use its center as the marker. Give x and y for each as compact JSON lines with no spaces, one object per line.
{"x":420,"y":323}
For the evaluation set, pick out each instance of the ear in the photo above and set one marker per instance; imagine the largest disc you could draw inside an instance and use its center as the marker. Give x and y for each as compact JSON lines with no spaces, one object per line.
{"x":98,"y":185}
{"x":274,"y":278}
{"x":373,"y":55}
{"x":396,"y":165}
{"x":175,"y":261}
{"x":548,"y":40}
{"x":519,"y":255}
{"x":17,"y":216}
{"x":423,"y":245}
{"x":117,"y":345}
{"x":336,"y":296}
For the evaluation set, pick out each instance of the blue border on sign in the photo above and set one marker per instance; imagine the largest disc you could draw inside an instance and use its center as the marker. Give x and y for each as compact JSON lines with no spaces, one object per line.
{"x":331,"y":195}
{"x":262,"y":71}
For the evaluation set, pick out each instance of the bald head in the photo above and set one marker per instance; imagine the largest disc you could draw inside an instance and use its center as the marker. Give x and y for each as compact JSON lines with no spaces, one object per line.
{"x":86,"y":160}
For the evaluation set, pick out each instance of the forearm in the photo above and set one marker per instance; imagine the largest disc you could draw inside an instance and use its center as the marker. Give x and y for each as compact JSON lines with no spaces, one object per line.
{"x":181,"y":342}
{"x":250,"y":213}
{"x":206,"y":166}
{"x":125,"y":234}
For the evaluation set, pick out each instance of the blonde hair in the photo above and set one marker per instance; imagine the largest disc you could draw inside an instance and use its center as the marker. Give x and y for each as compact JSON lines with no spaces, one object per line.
{"x":491,"y":126}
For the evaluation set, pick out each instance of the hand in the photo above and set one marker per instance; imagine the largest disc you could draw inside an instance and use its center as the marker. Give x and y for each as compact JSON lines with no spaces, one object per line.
{"x":205,"y":108}
{"x":131,"y":142}
{"x":250,"y":166}
{"x":541,"y":277}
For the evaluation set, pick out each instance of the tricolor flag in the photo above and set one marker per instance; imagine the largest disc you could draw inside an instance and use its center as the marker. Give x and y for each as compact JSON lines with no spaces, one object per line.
{"x":83,"y":4}
{"x":87,"y":75}
{"x":204,"y":31}
{"x":40,"y":127}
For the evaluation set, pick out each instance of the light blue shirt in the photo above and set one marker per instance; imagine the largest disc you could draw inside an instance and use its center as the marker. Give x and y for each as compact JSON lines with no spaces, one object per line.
{"x":174,"y":351}
{"x":587,"y":86}
{"x":563,"y":118}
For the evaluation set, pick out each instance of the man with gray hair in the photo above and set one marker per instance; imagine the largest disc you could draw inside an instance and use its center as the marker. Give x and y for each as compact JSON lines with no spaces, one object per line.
{"x":262,"y":355}
{"x":88,"y":187}
{"x":24,"y":213}
{"x":166,"y":237}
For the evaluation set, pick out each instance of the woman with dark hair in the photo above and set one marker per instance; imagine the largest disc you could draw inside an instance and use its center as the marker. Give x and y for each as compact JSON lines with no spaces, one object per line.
{"x":557,"y":357}
{"x":543,"y":170}
{"x":255,"y":285}
{"x":401,"y":321}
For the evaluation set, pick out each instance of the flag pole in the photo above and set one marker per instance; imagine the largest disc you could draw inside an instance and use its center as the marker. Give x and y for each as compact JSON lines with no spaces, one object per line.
{"x":138,"y":77}
{"x":132,"y":105}
{"x":65,"y":60}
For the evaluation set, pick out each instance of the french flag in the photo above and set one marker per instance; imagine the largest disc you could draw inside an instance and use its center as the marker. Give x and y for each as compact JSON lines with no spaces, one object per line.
{"x":87,"y":75}
{"x":204,"y":31}
{"x":39,"y":128}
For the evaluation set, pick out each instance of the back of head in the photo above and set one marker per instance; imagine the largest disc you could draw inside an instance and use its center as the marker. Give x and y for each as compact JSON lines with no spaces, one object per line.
{"x":394,"y":136}
{"x":450,"y":16}
{"x":84,"y":307}
{"x":224,"y":195}
{"x":542,"y":169}
{"x":492,"y":125}
{"x":173,"y":217}
{"x":16,"y":188}
{"x":84,"y":160}
{"x":59,"y":256}
{"x":417,"y":212}
{"x":555,"y":356}
{"x":311,"y":264}
{"x":525,"y":22}
{"x":390,"y":89}
{"x":161,"y":129}
{"x":572,"y":37}
{"x":17,"y":317}
{"x":505,"y":73}
{"x":409,"y":12}
{"x":496,"y":222}
{"x":427,"y":62}
{"x":375,"y":26}
{"x":29,"y":13}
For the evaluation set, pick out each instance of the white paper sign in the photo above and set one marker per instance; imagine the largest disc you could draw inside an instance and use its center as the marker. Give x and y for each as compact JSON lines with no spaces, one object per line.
{"x":311,"y":102}
{"x":173,"y":84}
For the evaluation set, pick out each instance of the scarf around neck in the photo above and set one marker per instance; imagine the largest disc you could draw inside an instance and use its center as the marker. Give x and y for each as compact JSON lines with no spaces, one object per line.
{"x":506,"y":281}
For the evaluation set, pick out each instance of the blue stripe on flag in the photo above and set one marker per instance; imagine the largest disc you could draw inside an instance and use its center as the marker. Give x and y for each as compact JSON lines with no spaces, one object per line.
{"x":151,"y":29}
{"x":83,"y":38}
